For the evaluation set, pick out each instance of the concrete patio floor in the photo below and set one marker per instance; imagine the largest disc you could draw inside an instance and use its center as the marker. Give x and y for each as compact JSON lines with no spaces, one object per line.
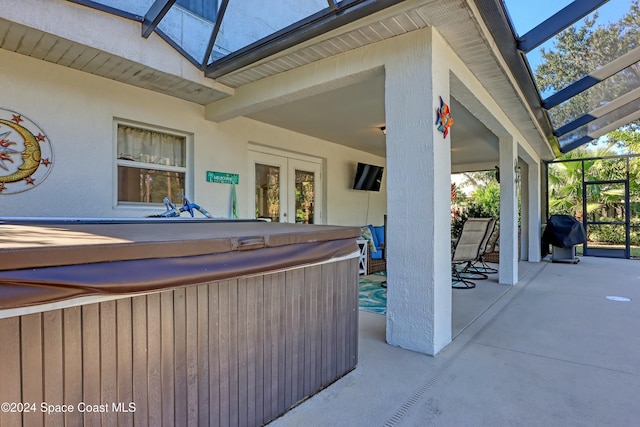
{"x":549,"y":351}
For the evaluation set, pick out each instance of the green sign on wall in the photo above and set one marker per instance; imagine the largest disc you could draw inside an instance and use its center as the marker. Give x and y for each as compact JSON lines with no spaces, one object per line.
{"x":223,"y":177}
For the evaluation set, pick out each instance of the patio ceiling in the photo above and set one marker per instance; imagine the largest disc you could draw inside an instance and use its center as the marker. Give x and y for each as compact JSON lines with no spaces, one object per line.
{"x":352,"y":116}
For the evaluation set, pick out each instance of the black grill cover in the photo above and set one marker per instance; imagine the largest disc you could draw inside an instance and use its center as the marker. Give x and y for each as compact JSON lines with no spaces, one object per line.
{"x":564,"y":231}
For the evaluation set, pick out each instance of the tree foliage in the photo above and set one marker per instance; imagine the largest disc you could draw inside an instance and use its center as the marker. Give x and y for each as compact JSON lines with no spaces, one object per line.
{"x":482,"y":202}
{"x":565,"y":179}
{"x":626,"y":138}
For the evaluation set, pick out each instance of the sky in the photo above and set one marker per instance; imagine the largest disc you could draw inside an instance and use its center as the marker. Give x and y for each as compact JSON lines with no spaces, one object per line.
{"x":527,"y":14}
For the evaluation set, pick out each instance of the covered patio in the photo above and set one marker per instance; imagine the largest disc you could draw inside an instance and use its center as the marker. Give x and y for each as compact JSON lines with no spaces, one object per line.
{"x":550,"y":350}
{"x":539,"y":343}
{"x":333,"y":74}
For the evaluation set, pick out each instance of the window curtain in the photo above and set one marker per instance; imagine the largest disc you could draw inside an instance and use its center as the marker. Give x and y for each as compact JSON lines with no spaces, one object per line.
{"x":141,"y":145}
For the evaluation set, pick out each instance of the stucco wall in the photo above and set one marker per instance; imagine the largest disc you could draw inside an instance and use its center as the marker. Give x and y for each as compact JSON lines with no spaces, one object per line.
{"x":77,"y":110}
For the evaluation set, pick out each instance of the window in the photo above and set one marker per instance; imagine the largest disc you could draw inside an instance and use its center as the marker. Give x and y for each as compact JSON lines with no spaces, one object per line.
{"x":151,"y":165}
{"x":207,"y":9}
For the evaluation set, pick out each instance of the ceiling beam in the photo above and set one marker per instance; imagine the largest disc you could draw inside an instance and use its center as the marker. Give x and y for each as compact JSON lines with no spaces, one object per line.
{"x":558,"y":22}
{"x":635,"y":115}
{"x":601,"y":111}
{"x":592,"y":79}
{"x":171,"y":42}
{"x":602,"y":131}
{"x":214,"y":33}
{"x":575,"y":144}
{"x":154,"y":15}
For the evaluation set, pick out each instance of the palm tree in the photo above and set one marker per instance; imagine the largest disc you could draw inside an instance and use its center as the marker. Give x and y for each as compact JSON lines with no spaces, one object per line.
{"x":565,"y":188}
{"x":565,"y":180}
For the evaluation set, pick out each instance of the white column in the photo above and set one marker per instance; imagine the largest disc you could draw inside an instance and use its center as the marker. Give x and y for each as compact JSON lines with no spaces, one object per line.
{"x":534,"y":212}
{"x":508,"y":271}
{"x":418,"y":197}
{"x":524,"y":209}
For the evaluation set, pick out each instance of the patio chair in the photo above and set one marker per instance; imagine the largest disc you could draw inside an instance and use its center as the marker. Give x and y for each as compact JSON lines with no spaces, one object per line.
{"x":467,"y":251}
{"x":492,"y":254}
{"x":486,"y":247}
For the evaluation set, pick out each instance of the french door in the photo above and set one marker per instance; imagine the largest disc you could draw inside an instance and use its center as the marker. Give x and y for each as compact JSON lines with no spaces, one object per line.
{"x":286,"y":188}
{"x":606,"y":218}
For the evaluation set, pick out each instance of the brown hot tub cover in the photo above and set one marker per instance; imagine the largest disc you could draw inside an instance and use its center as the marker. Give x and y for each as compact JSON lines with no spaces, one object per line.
{"x":47,"y":261}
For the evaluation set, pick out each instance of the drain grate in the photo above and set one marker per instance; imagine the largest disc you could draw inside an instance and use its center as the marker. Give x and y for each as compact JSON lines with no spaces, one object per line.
{"x":614,"y":298}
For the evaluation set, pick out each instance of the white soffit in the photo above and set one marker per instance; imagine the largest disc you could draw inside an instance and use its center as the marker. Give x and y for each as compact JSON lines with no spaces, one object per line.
{"x":38,"y":44}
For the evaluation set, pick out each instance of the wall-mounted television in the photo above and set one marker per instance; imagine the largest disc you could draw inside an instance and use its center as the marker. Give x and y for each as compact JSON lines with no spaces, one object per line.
{"x":368,"y":177}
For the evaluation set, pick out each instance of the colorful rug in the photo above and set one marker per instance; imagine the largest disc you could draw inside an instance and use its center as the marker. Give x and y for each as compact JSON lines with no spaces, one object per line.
{"x":372,"y":296}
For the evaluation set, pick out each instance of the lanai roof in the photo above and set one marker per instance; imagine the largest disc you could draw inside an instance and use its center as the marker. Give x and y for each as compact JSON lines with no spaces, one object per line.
{"x":213,"y":38}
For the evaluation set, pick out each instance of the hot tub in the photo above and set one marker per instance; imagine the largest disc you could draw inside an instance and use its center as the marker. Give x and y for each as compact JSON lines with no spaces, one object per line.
{"x":173,"y":321}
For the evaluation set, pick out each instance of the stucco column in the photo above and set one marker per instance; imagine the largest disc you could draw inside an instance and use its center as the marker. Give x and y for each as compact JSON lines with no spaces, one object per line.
{"x":418,"y":197}
{"x":524,"y":208}
{"x":508,"y":271}
{"x":534,"y":211}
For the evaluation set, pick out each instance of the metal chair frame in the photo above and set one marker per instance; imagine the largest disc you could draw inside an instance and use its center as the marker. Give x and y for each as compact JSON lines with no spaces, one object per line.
{"x":467,"y":251}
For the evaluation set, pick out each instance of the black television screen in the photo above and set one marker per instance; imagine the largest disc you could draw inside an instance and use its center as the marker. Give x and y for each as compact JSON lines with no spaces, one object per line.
{"x":368,"y":177}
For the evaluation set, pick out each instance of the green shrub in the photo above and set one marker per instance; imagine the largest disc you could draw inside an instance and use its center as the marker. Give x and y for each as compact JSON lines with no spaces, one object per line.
{"x":615,"y":234}
{"x":472,"y":210}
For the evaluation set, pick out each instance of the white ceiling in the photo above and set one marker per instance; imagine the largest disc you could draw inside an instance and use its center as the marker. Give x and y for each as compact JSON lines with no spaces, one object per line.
{"x":352,"y":116}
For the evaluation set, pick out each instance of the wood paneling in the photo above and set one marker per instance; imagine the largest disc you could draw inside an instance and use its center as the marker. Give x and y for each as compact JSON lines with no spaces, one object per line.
{"x":91,"y":361}
{"x":72,"y":326}
{"x":10,"y":372}
{"x":31,"y":336}
{"x":234,"y":352}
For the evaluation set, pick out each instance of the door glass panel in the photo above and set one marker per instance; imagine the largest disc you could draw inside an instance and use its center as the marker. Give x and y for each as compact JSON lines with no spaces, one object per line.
{"x":634,"y":238}
{"x":634,"y":205}
{"x":305,"y":196}
{"x":606,"y":237}
{"x":605,"y":202}
{"x":634,"y":190}
{"x":606,"y":216}
{"x":268,"y":192}
{"x":606,"y":170}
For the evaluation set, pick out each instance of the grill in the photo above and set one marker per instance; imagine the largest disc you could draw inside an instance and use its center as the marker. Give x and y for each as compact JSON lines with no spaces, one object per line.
{"x":564,"y":232}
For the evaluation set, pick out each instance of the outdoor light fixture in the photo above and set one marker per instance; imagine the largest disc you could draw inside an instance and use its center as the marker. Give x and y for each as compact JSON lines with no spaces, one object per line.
{"x":383,"y":129}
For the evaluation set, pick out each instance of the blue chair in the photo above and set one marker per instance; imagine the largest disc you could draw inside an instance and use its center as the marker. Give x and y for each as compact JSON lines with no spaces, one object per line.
{"x":378,"y":260}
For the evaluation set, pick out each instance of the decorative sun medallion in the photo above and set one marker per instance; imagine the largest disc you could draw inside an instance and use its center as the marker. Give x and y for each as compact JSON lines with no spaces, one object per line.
{"x":26,"y":156}
{"x":443,"y":118}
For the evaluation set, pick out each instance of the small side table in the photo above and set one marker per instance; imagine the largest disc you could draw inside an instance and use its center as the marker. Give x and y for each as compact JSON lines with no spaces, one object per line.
{"x":364,"y":255}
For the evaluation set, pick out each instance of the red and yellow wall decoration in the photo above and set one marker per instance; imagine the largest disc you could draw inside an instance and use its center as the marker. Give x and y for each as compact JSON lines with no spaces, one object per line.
{"x":26,"y":156}
{"x":443,"y":118}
